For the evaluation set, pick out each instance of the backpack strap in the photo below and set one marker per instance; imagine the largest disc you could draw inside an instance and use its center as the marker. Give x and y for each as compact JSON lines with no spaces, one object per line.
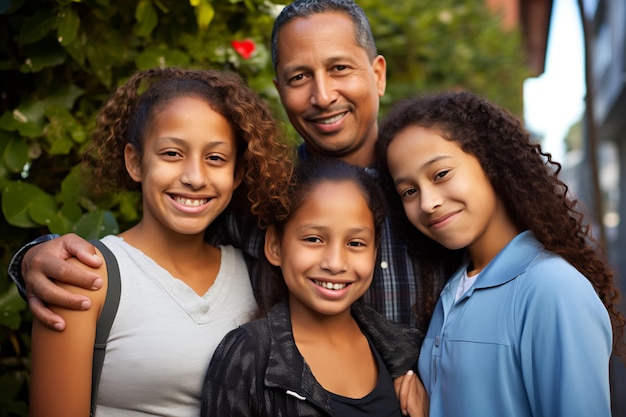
{"x":107,"y":315}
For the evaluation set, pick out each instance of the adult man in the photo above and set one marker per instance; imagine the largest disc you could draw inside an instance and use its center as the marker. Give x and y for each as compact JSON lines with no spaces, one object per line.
{"x":329,"y":78}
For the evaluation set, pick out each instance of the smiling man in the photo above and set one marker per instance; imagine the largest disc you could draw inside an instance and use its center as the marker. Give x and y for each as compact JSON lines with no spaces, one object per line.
{"x":329,"y":88}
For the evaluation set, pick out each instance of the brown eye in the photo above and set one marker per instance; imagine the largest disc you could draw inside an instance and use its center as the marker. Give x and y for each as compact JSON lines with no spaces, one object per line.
{"x":408,"y":193}
{"x":441,"y":174}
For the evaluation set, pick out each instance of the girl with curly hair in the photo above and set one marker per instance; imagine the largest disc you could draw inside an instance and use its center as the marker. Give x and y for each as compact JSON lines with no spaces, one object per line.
{"x":526,"y":325}
{"x":319,"y":351}
{"x":192,"y":141}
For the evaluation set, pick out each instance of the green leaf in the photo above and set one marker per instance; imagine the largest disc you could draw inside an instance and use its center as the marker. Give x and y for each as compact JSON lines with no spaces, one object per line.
{"x":27,"y":119}
{"x":10,"y":384}
{"x":147,"y":19}
{"x":36,"y":27}
{"x":65,"y":96}
{"x":68,"y":23}
{"x":44,"y":212}
{"x":128,"y":203}
{"x":61,"y":225}
{"x":98,"y":63}
{"x":71,"y":211}
{"x":71,"y":186}
{"x":161,"y":56}
{"x":96,"y":224}
{"x":77,"y":51}
{"x":204,"y":14}
{"x":17,"y":199}
{"x":11,"y":302}
{"x":44,"y":54}
{"x":15,"y":155}
{"x":59,"y":120}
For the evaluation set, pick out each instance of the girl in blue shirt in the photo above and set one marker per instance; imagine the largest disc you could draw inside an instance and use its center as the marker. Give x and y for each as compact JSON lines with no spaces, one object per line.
{"x":526,"y":325}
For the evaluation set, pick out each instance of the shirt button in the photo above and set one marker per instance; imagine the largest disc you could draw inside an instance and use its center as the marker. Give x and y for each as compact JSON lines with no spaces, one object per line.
{"x":384,"y":265}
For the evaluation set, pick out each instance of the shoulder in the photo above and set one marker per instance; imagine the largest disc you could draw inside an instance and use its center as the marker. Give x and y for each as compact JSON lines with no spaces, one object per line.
{"x":233,"y":259}
{"x":376,"y":325}
{"x":549,"y":273}
{"x":552,"y":289}
{"x":398,"y":345}
{"x":250,"y":338}
{"x":97,"y":296}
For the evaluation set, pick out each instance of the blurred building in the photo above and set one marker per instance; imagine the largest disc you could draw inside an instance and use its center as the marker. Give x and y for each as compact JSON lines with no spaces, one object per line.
{"x":607,"y":45}
{"x":606,"y":42}
{"x":533,"y":16}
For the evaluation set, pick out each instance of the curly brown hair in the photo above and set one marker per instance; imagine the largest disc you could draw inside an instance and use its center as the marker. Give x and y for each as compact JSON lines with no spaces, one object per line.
{"x":263,"y":154}
{"x":525,"y":178}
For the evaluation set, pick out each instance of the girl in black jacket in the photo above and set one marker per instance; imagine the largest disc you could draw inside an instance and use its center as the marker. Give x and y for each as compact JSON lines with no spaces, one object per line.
{"x":319,"y":352}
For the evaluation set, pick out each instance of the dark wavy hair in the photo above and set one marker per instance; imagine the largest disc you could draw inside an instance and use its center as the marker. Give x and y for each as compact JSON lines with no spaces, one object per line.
{"x":307,"y":176}
{"x":525,"y":178}
{"x":263,"y":154}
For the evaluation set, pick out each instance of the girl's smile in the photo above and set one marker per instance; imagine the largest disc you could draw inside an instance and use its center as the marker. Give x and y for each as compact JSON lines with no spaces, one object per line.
{"x":187,"y":170}
{"x":327,"y":250}
{"x":447,"y":195}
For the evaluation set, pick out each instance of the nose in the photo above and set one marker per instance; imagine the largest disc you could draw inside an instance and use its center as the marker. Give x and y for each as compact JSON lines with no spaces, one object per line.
{"x":194,"y":173}
{"x":323,"y":94}
{"x":334,"y":259}
{"x":430,"y":199}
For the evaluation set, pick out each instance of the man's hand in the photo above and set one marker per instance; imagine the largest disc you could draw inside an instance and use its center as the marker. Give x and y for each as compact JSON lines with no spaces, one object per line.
{"x":45,"y":263}
{"x":412,"y":395}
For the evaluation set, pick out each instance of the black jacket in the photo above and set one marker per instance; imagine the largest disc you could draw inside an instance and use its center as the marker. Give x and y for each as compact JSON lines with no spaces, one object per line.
{"x":258,"y":371}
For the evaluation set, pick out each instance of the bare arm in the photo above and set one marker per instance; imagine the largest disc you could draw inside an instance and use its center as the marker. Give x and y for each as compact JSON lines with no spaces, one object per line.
{"x":46,"y":263}
{"x":62,"y":362}
{"x":412,"y":395}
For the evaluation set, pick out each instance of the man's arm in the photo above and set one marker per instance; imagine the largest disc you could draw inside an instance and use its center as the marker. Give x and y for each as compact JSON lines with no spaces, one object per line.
{"x":44,"y":260}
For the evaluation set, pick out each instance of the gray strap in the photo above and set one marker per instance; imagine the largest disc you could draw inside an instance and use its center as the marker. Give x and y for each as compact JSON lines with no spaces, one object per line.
{"x":106,"y":317}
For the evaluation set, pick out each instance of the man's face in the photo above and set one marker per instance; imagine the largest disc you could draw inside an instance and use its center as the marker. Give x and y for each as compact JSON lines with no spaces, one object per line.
{"x":329,"y":87}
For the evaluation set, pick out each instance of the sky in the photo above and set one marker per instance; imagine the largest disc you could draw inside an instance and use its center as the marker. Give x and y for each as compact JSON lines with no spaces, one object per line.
{"x":554,"y":101}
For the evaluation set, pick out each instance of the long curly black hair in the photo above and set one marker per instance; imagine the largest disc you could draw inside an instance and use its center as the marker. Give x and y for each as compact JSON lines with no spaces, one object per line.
{"x":525,"y":178}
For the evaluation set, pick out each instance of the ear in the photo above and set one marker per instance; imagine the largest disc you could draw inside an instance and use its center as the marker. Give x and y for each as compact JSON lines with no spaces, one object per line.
{"x":379,"y":65}
{"x":133,"y":162}
{"x":239,"y":171}
{"x":272,"y":246}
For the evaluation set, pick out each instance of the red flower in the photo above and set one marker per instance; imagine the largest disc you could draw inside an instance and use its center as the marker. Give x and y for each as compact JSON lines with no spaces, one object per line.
{"x":244,"y":48}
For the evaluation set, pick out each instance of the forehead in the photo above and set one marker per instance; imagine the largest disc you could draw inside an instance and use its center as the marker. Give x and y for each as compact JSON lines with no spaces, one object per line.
{"x":192,"y":115}
{"x":333,"y":199}
{"x":416,"y":142}
{"x":317,"y":37}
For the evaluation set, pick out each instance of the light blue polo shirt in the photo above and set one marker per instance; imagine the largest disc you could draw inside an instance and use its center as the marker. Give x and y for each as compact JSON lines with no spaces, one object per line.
{"x":529,"y":338}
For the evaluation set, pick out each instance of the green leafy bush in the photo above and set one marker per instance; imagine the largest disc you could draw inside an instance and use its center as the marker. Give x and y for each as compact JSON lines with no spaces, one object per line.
{"x":59,"y":60}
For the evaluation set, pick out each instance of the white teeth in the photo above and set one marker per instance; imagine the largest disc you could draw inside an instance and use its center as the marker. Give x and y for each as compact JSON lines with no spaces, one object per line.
{"x":332,"y":119}
{"x":189,"y":202}
{"x":331,"y":286}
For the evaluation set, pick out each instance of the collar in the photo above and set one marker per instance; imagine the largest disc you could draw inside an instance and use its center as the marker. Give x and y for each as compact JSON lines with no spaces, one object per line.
{"x":396,"y":344}
{"x":286,"y":368}
{"x":512,"y":261}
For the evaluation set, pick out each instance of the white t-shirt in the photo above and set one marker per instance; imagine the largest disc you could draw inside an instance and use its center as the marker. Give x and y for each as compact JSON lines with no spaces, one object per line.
{"x":464,"y":285}
{"x":164,"y":334}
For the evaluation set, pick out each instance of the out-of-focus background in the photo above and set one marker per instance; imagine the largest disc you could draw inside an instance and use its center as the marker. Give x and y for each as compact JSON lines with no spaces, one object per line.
{"x":582,"y":122}
{"x":59,"y":60}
